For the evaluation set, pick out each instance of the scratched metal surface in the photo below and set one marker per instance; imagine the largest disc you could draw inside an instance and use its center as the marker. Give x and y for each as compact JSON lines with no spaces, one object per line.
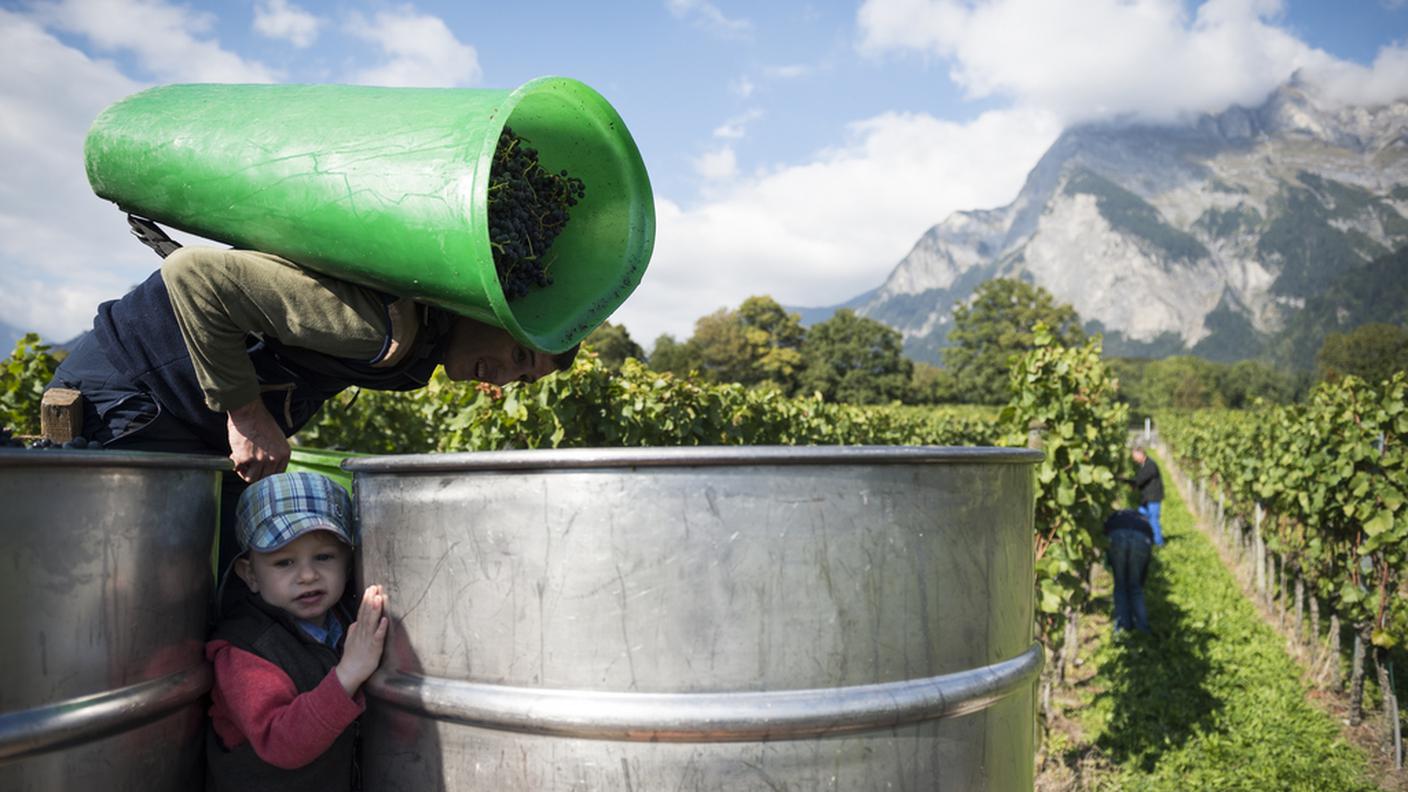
{"x":725,"y":586}
{"x":106,"y":568}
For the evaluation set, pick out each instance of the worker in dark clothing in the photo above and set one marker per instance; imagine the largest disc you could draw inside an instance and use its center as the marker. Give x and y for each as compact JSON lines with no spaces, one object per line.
{"x":1131,"y":545}
{"x":230,"y":352}
{"x":1150,"y":483}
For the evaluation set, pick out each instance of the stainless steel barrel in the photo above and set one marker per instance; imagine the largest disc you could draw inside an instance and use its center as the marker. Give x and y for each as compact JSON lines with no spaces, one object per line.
{"x":702,"y":619}
{"x":105,"y":576}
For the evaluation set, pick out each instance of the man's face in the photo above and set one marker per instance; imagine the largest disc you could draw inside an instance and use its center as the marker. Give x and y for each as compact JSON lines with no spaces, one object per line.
{"x":1138,"y":456}
{"x":483,"y":352}
{"x":304,"y":577}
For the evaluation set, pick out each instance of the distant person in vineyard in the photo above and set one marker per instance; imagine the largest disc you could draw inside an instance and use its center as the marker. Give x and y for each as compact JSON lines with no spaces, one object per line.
{"x":1131,"y":545}
{"x":1150,"y":483}
{"x":231,"y":352}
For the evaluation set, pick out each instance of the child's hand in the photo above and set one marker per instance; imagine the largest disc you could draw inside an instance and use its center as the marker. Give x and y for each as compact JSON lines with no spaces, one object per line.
{"x":361,"y":652}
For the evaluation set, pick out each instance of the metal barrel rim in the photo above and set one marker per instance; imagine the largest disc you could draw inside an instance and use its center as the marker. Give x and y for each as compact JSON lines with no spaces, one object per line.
{"x":693,"y":456}
{"x":73,"y":457}
{"x":84,"y":719}
{"x":707,"y":717}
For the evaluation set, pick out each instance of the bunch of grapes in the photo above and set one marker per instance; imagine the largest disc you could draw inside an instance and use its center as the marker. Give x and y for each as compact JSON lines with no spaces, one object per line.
{"x":527,"y":210}
{"x":8,"y":440}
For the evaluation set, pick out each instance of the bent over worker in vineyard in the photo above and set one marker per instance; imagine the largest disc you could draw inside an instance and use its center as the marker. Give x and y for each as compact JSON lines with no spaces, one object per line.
{"x":1131,"y":544}
{"x":232,"y":351}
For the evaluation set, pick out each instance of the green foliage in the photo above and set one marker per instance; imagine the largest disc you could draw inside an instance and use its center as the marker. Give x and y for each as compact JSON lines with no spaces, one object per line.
{"x":1127,"y":212}
{"x":1188,"y":382}
{"x":1333,"y":474}
{"x":1373,"y":292}
{"x":774,"y":341}
{"x":994,"y":328}
{"x":613,"y":344}
{"x":932,"y":385}
{"x":1224,"y":223}
{"x":718,"y":350}
{"x":1310,"y":249}
{"x":1068,"y":395}
{"x":855,"y":360}
{"x":1210,"y":701}
{"x":1372,"y":352}
{"x":758,"y":343}
{"x":23,"y":376}
{"x":591,"y":405}
{"x":1230,"y":334}
{"x":669,"y":355}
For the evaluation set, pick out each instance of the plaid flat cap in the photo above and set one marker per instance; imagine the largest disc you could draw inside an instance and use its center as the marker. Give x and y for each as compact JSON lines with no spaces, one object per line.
{"x":276,"y":510}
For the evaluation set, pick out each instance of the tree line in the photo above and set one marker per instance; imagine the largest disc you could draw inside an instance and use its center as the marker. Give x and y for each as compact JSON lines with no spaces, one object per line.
{"x":852,"y":359}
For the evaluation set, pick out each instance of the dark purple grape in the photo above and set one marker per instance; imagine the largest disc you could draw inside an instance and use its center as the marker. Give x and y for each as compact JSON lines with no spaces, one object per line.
{"x":527,"y":211}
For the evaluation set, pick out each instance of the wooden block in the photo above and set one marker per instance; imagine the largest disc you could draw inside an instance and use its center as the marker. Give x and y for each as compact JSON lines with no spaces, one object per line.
{"x":61,"y":415}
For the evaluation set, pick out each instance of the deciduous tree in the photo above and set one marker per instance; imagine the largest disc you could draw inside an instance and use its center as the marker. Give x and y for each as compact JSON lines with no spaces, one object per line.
{"x":613,"y":344}
{"x":1372,"y":352}
{"x":995,"y":327}
{"x":851,"y":359}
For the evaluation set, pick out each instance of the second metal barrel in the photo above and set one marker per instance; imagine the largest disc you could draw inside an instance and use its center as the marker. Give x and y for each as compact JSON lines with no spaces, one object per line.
{"x":106,"y":578}
{"x":702,"y":619}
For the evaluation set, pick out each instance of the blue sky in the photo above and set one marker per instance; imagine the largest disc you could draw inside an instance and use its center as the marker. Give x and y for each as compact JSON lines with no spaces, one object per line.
{"x":797,"y":149}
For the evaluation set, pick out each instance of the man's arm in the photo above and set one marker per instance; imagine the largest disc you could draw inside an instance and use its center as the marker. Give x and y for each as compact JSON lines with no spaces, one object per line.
{"x":221,"y":296}
{"x":258,"y":446}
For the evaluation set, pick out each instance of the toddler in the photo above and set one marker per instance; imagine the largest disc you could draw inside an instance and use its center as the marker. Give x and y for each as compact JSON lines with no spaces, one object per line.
{"x":289,"y":662}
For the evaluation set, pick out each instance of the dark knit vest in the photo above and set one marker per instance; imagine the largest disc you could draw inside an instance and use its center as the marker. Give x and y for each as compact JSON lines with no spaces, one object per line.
{"x":265,"y":631}
{"x":141,"y":339}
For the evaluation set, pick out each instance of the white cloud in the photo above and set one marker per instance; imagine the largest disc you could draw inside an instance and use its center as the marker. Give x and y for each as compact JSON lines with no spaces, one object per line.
{"x":281,"y":19}
{"x":743,"y":86}
{"x":170,"y":41}
{"x":1384,"y":81}
{"x":737,"y":127}
{"x":420,"y":50}
{"x":708,"y":16}
{"x":1107,"y":58}
{"x":789,"y":71}
{"x":62,"y":249}
{"x":718,"y":165}
{"x":820,"y":233}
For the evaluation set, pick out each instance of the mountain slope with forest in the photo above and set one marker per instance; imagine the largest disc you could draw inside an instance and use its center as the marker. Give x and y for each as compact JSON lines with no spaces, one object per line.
{"x":1250,"y":233}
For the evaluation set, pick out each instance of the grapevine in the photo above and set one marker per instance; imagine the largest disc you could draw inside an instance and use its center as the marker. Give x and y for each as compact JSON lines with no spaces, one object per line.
{"x":1331,"y":476}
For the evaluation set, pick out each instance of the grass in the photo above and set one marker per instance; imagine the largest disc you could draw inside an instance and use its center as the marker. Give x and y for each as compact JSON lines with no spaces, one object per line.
{"x":1210,"y":700}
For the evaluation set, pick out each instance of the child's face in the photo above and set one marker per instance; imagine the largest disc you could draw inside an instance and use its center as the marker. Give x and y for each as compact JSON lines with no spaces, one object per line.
{"x":304,"y":577}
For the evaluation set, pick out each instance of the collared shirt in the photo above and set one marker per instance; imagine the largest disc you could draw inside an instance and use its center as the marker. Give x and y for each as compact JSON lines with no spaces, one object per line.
{"x":328,"y":633}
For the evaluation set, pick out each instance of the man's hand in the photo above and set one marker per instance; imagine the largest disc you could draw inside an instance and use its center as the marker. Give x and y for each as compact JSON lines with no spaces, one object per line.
{"x":361,"y":652}
{"x":257,"y":444}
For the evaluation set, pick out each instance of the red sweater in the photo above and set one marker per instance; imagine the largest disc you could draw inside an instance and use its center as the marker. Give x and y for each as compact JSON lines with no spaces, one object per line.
{"x":253,"y":700}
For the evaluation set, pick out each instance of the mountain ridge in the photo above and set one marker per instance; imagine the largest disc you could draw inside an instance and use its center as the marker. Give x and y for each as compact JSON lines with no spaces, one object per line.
{"x":1206,"y":237}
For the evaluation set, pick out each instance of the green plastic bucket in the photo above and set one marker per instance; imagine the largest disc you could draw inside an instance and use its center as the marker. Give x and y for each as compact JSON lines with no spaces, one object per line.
{"x":321,"y":460}
{"x":387,"y":187}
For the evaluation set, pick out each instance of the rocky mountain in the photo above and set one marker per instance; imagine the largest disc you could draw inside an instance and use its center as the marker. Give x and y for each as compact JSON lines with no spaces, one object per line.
{"x":1213,"y":236}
